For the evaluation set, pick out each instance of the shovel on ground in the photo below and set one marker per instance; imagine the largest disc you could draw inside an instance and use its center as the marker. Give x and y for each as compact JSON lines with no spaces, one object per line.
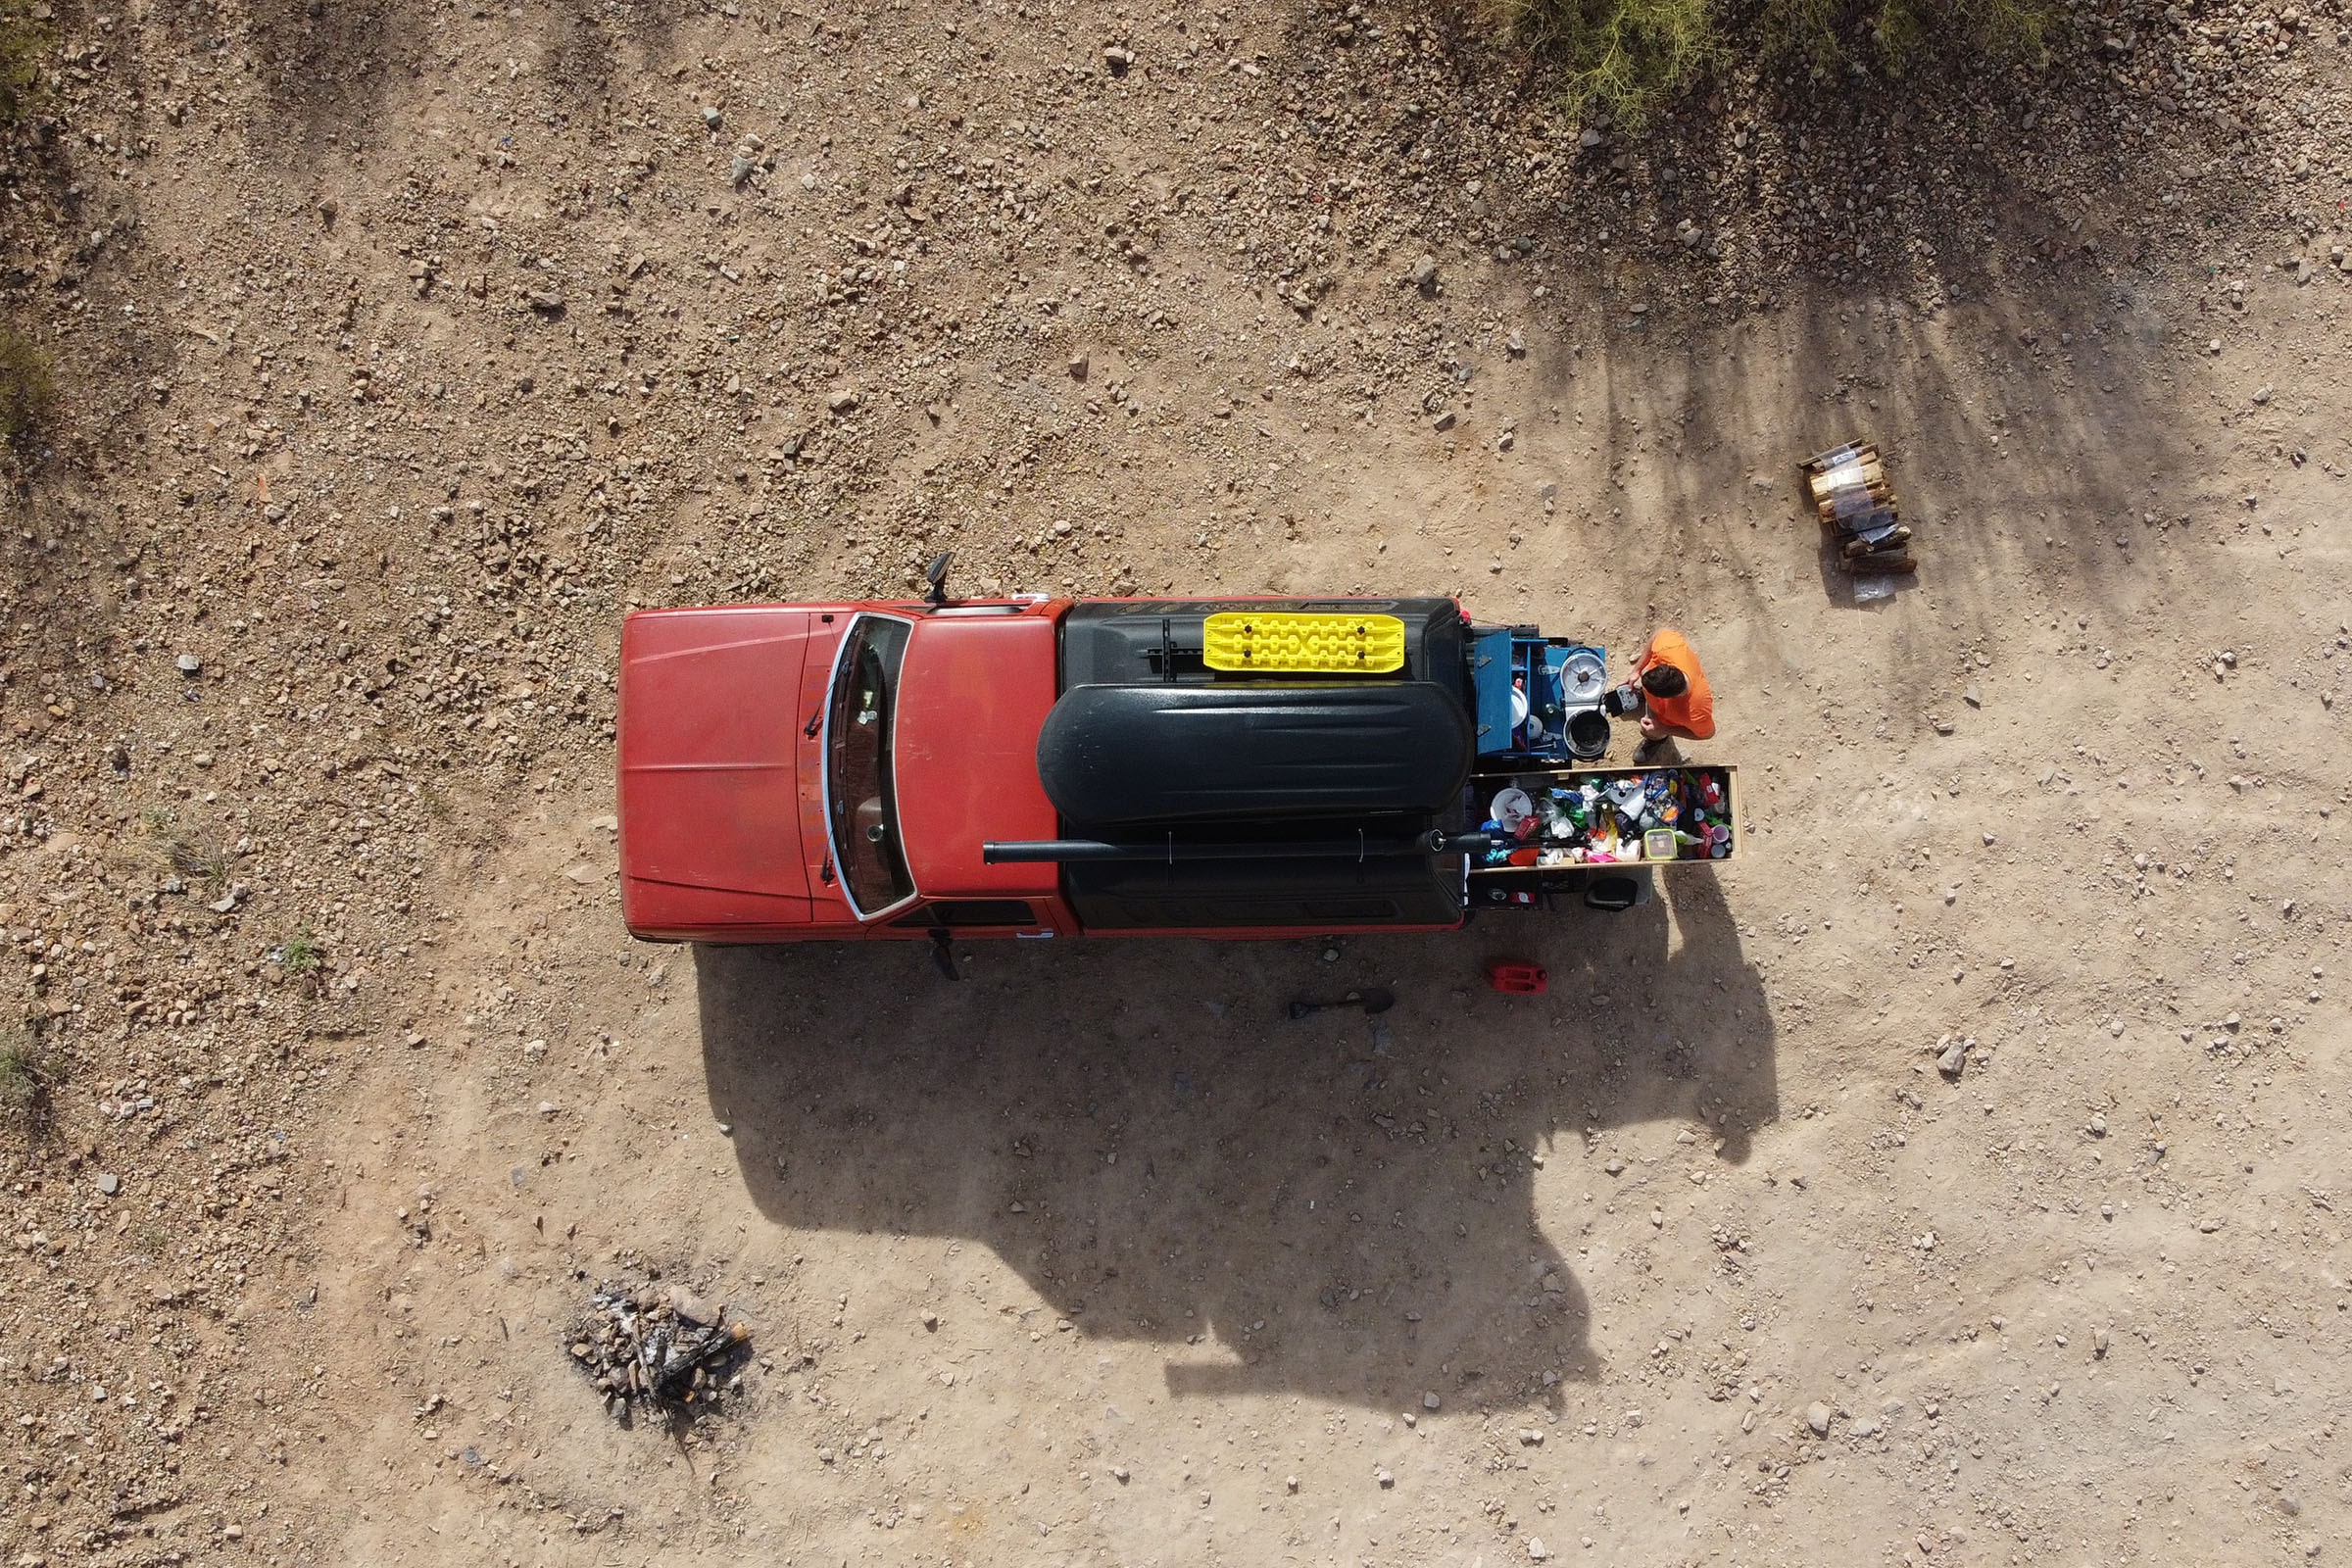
{"x":1372,"y":999}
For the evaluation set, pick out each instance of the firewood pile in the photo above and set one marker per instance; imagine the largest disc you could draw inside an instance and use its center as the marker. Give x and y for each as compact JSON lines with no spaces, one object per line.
{"x":1851,"y":496}
{"x":658,"y":1344}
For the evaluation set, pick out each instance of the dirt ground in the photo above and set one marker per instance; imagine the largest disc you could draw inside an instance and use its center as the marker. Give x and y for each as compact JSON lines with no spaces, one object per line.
{"x":402,"y":348}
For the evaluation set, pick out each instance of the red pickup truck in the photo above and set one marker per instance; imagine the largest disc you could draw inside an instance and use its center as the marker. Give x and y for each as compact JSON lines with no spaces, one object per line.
{"x":1053,"y":766}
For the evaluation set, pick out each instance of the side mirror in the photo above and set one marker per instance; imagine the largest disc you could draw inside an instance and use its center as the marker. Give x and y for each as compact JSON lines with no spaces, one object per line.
{"x":936,"y":574}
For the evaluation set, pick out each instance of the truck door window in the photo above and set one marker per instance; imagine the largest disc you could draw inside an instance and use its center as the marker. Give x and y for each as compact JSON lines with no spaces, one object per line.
{"x":860,"y":805}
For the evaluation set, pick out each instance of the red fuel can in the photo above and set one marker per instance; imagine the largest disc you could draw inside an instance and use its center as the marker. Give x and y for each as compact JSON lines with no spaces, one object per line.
{"x":1515,"y":978}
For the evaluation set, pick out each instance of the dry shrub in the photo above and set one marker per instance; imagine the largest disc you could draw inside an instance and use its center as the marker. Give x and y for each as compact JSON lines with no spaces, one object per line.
{"x":29,"y":1071}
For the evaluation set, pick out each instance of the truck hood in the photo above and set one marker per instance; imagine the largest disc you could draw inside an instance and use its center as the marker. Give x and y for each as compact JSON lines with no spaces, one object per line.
{"x":710,"y":741}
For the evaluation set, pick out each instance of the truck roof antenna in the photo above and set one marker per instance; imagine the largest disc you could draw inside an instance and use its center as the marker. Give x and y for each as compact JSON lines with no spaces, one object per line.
{"x":936,"y":574}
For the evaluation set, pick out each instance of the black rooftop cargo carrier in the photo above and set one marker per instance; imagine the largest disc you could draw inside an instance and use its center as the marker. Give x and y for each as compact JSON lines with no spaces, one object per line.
{"x":1119,"y":755}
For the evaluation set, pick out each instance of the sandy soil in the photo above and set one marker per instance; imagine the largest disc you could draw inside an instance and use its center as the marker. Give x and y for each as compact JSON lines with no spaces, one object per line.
{"x":406,"y":348}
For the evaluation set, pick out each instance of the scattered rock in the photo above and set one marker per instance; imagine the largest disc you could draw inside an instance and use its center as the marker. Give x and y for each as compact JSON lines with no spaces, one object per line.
{"x":1424,"y":274}
{"x":190,"y":665}
{"x":109,"y":1183}
{"x":1817,"y":1416}
{"x":710,"y":115}
{"x":843,"y":401}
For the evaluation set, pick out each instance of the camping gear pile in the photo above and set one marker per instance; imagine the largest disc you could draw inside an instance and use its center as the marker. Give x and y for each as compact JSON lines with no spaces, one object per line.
{"x":1667,"y":813}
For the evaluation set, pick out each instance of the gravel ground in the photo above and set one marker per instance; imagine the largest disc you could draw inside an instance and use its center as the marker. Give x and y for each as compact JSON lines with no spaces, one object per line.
{"x":1954,"y":1178}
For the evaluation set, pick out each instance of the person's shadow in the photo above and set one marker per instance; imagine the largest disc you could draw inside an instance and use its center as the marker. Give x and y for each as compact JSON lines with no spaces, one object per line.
{"x":1339,"y":1205}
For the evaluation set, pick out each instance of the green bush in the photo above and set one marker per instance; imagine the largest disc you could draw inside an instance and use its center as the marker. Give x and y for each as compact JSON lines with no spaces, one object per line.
{"x":22,"y":42}
{"x":26,"y":388}
{"x":1629,"y":59}
{"x":300,"y":956}
{"x":1624,"y":57}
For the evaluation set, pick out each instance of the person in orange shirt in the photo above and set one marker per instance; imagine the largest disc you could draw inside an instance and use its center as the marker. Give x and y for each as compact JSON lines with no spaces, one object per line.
{"x":1670,"y":692}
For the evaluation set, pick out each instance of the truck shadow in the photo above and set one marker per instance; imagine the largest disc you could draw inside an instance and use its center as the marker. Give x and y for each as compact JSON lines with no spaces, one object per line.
{"x":1326,"y":1206}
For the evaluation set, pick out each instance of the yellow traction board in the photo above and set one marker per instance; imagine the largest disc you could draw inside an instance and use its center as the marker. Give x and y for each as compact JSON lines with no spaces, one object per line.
{"x":1304,"y":643}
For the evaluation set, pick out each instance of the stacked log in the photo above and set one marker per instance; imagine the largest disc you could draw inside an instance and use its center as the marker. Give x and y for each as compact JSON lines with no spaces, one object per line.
{"x":1855,"y":503}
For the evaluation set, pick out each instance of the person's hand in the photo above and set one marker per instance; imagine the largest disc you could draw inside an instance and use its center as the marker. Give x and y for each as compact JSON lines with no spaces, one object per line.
{"x":1651,"y":728}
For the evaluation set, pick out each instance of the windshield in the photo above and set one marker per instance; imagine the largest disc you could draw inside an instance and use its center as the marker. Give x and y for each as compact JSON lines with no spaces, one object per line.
{"x":859,"y":803}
